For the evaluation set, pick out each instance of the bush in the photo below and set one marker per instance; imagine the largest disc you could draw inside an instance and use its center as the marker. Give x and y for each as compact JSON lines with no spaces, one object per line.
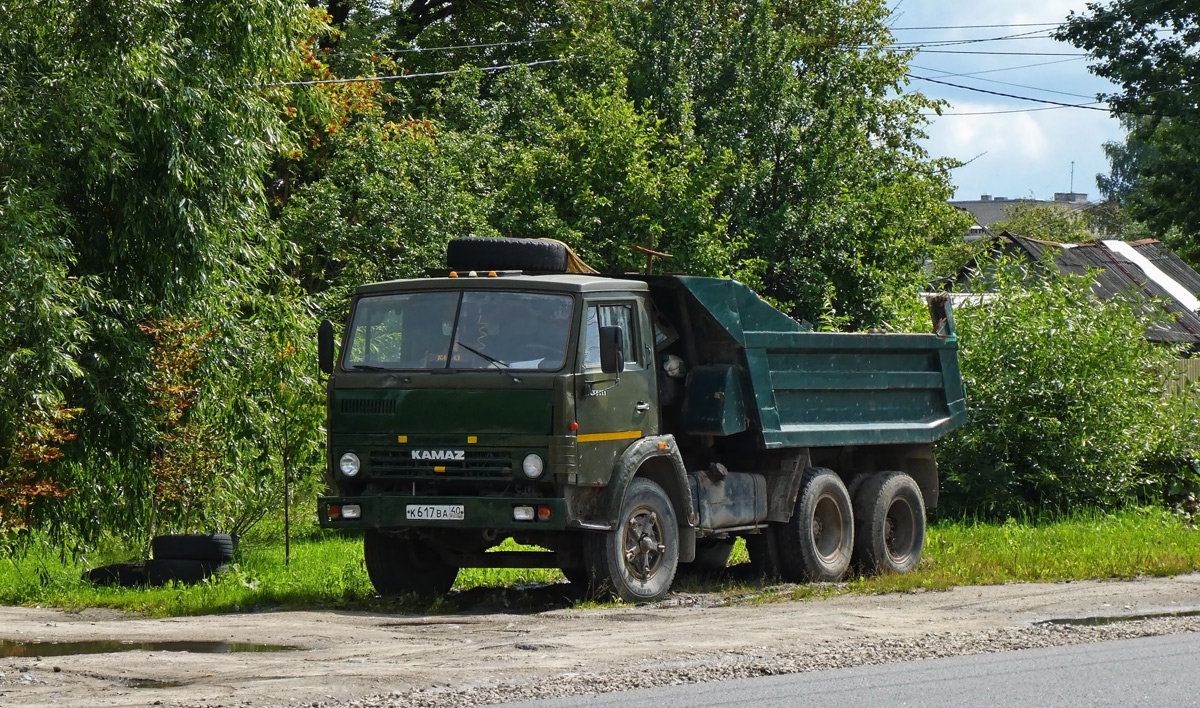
{"x":1068,"y":402}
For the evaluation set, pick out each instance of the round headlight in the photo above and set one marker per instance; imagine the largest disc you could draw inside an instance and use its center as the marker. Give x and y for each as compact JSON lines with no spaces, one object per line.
{"x":532,"y":465}
{"x":349,"y":464}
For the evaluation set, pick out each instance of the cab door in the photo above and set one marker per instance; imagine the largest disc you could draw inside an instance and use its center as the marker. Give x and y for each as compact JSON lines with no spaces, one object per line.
{"x":614,"y":412}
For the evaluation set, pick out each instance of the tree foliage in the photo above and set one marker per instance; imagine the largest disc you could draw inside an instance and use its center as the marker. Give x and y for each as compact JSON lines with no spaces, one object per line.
{"x":136,"y":134}
{"x":1149,"y":49}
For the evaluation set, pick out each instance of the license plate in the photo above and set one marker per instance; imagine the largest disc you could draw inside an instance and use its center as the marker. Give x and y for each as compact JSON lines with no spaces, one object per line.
{"x":435,"y":512}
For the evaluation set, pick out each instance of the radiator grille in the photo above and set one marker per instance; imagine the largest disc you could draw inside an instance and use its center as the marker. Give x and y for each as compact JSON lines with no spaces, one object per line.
{"x":368,"y":406}
{"x":476,"y":464}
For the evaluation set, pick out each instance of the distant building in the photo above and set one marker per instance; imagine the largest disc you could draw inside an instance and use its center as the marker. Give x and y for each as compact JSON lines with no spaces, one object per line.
{"x":989,"y":210}
{"x":1146,"y":267}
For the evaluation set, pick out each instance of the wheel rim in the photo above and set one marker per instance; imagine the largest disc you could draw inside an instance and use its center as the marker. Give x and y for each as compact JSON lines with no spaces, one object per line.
{"x":641,"y":543}
{"x":900,"y":529}
{"x":827,"y":528}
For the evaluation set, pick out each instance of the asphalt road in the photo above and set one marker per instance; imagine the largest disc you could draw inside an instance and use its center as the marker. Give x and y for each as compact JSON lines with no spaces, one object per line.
{"x":1149,"y":671}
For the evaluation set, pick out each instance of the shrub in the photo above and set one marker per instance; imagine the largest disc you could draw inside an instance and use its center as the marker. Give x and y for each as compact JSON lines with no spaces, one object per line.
{"x":1068,"y":402}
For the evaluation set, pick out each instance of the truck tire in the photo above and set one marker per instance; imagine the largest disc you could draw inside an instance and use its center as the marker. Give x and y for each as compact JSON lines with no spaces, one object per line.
{"x":474,"y":253}
{"x":891,"y":524}
{"x":161,"y":571}
{"x":398,"y":565}
{"x":217,"y":547}
{"x":124,"y":575}
{"x":763,"y":549}
{"x":637,"y":561}
{"x":817,"y":543}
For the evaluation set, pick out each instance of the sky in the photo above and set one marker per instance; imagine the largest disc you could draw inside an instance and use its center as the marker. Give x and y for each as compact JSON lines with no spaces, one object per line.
{"x":1015,"y":155}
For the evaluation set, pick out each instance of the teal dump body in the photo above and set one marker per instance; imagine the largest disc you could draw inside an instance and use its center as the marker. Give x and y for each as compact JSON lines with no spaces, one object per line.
{"x":754,"y":371}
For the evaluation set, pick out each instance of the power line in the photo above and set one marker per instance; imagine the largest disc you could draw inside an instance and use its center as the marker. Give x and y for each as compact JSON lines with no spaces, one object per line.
{"x":947,"y":75}
{"x":1034,"y":34}
{"x":996,"y":113}
{"x":1008,"y":68}
{"x":1003,"y":54}
{"x":401,"y":77}
{"x":417,"y":50}
{"x":957,"y":27}
{"x":1008,"y":95}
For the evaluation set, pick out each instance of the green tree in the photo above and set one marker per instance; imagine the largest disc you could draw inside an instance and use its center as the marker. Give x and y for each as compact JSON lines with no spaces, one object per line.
{"x":1047,"y":222}
{"x":135,"y":137}
{"x":770,"y":141}
{"x":1149,"y":49}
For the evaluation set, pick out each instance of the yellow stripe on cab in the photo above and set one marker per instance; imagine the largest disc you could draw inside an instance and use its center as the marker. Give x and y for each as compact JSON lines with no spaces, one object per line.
{"x":600,"y":437}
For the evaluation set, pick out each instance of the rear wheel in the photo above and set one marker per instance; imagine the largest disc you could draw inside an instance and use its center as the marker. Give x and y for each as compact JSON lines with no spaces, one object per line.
{"x":891,"y":523}
{"x":399,"y":565}
{"x":637,"y":560}
{"x":815,"y":545}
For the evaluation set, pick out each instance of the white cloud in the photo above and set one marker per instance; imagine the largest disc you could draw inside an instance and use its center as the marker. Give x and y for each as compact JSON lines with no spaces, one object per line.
{"x":1023,"y":153}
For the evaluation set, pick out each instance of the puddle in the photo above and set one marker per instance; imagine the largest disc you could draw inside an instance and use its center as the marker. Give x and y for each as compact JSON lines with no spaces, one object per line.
{"x":1114,"y":619}
{"x":150,"y":683}
{"x":9,"y":648}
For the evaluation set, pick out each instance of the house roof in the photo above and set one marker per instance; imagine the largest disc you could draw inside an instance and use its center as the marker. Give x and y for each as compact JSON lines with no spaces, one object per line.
{"x":1147,"y":268}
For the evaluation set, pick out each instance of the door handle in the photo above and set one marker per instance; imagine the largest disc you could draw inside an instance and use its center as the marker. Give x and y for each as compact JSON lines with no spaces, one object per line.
{"x":642,"y":407}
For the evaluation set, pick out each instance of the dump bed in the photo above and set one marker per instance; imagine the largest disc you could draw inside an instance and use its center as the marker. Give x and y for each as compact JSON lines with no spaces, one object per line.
{"x":757,"y":373}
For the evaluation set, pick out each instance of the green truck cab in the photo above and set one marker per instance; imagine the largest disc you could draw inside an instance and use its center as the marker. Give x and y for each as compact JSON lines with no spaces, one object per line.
{"x":627,"y":424}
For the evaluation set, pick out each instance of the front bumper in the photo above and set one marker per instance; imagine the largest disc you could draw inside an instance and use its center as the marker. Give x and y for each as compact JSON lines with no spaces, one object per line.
{"x":386,"y":511}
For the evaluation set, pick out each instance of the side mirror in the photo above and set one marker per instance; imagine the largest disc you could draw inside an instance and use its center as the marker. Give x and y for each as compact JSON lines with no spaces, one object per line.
{"x":325,"y":347}
{"x":612,"y":350}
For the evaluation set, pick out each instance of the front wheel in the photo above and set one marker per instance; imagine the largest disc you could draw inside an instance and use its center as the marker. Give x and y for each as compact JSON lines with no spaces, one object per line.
{"x":637,"y":560}
{"x":398,"y":565}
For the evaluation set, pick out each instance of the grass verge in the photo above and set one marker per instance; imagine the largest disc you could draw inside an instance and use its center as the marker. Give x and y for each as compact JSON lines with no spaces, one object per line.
{"x":326,"y":571}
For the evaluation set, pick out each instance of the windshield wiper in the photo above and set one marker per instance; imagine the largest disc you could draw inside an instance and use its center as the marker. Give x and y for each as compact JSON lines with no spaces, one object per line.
{"x":368,"y":367}
{"x":489,"y":357}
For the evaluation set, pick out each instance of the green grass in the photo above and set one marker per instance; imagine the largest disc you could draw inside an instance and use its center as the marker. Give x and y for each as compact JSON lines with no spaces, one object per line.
{"x":326,"y":571}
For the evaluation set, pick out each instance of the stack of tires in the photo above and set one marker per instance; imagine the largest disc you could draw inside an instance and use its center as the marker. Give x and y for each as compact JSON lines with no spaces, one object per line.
{"x":188,"y":558}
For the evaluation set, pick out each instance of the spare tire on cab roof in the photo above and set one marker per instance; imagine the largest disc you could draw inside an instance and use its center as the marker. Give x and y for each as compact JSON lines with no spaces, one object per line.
{"x":484,"y":254}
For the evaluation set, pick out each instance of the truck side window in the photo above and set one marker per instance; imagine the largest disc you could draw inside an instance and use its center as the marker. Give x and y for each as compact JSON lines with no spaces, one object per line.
{"x":608,"y":316}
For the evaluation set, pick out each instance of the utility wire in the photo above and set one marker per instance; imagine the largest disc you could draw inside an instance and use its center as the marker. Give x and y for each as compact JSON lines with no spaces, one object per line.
{"x":1035,"y":34}
{"x":996,"y":113}
{"x":1007,"y":68}
{"x":417,"y":50}
{"x":401,"y":77}
{"x":947,"y":75}
{"x":1000,"y":54}
{"x":957,"y":27}
{"x":1008,"y":95}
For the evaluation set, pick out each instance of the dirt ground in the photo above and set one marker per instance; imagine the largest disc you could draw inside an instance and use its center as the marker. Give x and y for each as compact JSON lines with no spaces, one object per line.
{"x":342,"y":656}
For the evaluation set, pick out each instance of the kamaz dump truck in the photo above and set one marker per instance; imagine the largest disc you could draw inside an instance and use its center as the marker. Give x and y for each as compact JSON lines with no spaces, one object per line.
{"x":627,"y":424}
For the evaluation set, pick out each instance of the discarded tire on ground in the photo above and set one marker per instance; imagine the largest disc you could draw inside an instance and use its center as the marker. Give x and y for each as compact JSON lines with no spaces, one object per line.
{"x":817,"y":543}
{"x":890,"y":516}
{"x":125,"y":575}
{"x":216,"y":547}
{"x":161,"y":571}
{"x":484,"y":254}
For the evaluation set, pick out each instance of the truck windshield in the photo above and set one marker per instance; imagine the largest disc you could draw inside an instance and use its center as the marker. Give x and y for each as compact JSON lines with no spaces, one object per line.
{"x":460,"y":330}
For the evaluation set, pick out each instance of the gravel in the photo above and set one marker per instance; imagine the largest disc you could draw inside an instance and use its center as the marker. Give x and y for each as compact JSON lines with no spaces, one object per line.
{"x":747,"y":664}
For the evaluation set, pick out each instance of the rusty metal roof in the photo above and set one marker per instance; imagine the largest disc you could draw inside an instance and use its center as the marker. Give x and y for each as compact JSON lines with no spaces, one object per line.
{"x":1118,"y":274}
